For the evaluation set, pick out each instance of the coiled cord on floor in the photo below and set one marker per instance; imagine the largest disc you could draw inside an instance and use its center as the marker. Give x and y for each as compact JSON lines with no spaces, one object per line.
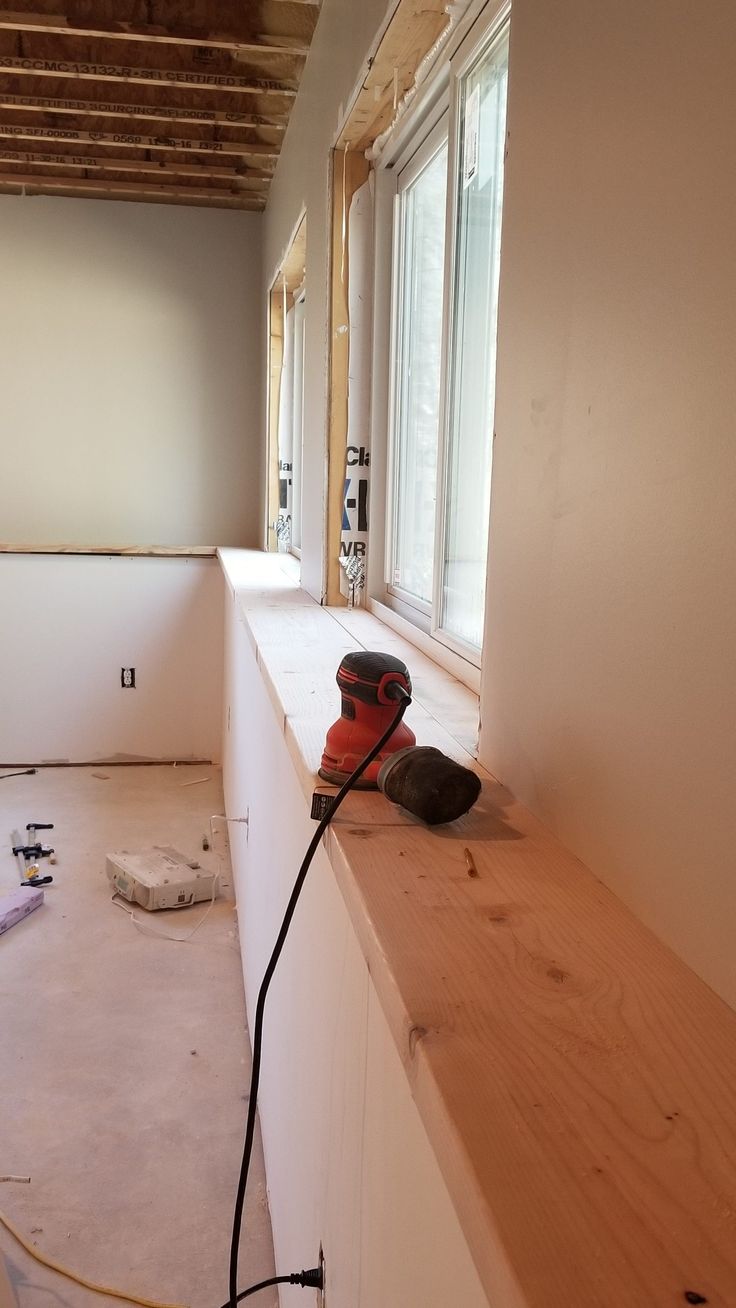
{"x":80,"y":1280}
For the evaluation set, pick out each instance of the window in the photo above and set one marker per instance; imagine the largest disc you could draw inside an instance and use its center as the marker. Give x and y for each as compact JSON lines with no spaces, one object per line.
{"x":290,"y":426}
{"x":422,"y":187}
{"x":286,"y":306}
{"x":298,"y":420}
{"x":447,"y":238}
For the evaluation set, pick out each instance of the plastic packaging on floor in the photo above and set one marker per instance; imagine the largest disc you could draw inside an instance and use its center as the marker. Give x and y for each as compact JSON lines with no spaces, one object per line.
{"x":13,"y":908}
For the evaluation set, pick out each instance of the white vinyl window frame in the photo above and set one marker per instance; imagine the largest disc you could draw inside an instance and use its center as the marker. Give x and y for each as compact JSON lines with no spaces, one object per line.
{"x":298,"y":422}
{"x":407,"y":173}
{"x":416,"y":139}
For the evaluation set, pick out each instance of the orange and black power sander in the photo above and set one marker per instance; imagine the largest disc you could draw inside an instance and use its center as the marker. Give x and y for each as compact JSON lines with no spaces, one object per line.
{"x":371,"y":686}
{"x":420,"y":778}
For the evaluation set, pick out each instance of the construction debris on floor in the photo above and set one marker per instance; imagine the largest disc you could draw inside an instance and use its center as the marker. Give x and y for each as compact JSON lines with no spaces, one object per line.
{"x":125,"y":1058}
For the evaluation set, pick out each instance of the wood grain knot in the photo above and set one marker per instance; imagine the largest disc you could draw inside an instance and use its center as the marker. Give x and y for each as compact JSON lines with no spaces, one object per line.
{"x":557,"y":974}
{"x":416,"y":1034}
{"x":498,"y":915}
{"x":361,"y":832}
{"x":692,"y":1296}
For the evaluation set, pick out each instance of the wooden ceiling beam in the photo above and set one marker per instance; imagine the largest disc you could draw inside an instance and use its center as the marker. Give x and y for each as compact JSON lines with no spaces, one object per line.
{"x":192,"y":79}
{"x":60,"y":25}
{"x":89,"y":185}
{"x":153,"y":113}
{"x":249,"y":180}
{"x":129,"y":140}
{"x":219,"y":200}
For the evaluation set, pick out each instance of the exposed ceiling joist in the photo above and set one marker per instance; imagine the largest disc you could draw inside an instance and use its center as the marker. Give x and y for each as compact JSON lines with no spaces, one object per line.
{"x":71,"y":67}
{"x":61,"y":25}
{"x":141,"y":189}
{"x":248,"y":180}
{"x":127,"y":140}
{"x":153,"y":113}
{"x":193,"y":79}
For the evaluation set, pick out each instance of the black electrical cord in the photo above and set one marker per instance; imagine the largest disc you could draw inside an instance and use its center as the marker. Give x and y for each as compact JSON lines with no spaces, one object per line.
{"x":312,"y":1277}
{"x":395,"y":691}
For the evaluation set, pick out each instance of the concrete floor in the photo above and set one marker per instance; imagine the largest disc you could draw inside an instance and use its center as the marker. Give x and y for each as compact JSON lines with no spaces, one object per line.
{"x":124,"y":1059}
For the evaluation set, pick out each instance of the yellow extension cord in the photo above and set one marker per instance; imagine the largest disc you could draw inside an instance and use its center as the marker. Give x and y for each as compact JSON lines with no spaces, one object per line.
{"x":80,"y":1280}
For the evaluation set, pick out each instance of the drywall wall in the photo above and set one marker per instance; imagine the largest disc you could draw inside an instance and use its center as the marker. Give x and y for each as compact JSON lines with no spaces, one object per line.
{"x":339,"y":51}
{"x":348,"y":1162}
{"x":71,"y":623}
{"x":131,"y":373}
{"x":609,"y":696}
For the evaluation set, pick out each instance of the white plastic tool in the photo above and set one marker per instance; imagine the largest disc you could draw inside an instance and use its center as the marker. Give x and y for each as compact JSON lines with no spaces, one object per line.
{"x":160,"y":877}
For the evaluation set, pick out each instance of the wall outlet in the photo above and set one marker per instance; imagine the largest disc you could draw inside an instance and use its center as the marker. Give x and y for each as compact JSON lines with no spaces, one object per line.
{"x":127,"y":678}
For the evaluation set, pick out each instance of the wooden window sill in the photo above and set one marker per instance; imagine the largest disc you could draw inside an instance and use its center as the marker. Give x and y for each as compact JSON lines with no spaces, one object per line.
{"x":143,"y":551}
{"x":576,"y":1079}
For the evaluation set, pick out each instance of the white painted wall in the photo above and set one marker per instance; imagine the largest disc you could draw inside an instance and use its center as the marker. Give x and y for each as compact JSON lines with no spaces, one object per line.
{"x":609,"y":696}
{"x":339,"y":51}
{"x":71,"y":623}
{"x":131,"y":372}
{"x":348,"y":1161}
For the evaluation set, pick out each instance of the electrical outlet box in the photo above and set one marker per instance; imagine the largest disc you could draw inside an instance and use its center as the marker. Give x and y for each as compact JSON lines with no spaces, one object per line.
{"x":127,"y":678}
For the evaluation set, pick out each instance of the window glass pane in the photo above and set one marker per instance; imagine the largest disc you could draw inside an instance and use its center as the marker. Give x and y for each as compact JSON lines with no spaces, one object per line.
{"x":286,"y":435}
{"x":296,"y":512}
{"x":417,"y":385}
{"x":482,"y":130}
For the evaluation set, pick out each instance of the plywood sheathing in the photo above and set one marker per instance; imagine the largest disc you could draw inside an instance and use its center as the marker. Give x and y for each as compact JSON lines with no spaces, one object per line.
{"x":87,"y":91}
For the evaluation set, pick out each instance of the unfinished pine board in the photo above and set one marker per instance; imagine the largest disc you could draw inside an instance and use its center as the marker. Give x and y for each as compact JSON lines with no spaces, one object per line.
{"x":447,"y":697}
{"x":250,"y":181}
{"x":148,"y":34}
{"x":154,"y":112}
{"x":576,"y":1079}
{"x":414,"y":29}
{"x":262,"y":579}
{"x":293,"y":267}
{"x":179,"y":77}
{"x":139,"y":141}
{"x":34,"y":182}
{"x":299,"y":644}
{"x":147,"y":551}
